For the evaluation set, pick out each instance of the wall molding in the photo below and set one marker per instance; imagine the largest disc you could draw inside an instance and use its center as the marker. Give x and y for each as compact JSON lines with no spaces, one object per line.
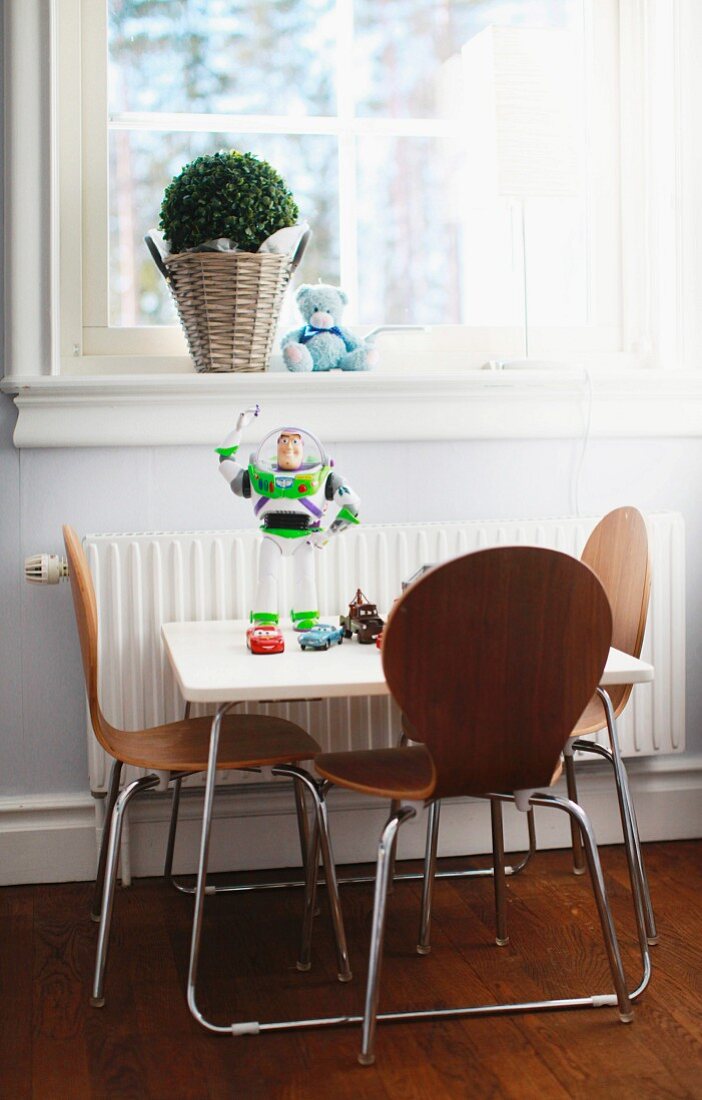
{"x":53,"y":838}
{"x":166,"y":410}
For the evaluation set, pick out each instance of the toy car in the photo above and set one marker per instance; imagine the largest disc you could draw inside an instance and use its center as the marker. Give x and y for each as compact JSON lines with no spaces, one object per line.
{"x":321,"y":636}
{"x":265,"y":638}
{"x":362,"y":620}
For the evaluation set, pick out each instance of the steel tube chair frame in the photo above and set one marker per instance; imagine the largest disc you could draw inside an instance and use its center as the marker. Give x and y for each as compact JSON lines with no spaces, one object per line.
{"x":436,"y":709}
{"x":319,"y":835}
{"x":160,"y":748}
{"x":617,"y":552}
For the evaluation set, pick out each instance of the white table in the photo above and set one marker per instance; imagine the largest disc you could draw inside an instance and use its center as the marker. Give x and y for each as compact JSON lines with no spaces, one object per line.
{"x":213,"y":665}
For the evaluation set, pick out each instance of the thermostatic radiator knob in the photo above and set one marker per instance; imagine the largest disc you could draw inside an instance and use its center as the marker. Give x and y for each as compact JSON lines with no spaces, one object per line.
{"x":45,"y":569}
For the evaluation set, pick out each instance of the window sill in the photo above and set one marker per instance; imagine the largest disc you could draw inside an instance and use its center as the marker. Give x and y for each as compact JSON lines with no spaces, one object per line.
{"x":167,"y":410}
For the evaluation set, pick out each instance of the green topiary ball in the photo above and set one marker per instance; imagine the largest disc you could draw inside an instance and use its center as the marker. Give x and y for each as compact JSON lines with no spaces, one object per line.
{"x":232,"y":195}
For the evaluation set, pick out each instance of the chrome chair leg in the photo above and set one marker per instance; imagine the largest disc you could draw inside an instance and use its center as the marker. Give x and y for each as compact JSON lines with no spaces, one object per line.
{"x":318,"y":790}
{"x":303,"y":826}
{"x":97,"y":999}
{"x":531,"y":828}
{"x":387,"y":839}
{"x":113,"y":791}
{"x":629,"y":813}
{"x":395,"y":807}
{"x":423,"y":944}
{"x":304,"y":961}
{"x":172,"y":829}
{"x":498,"y":863}
{"x":609,"y":934}
{"x":572,"y":787}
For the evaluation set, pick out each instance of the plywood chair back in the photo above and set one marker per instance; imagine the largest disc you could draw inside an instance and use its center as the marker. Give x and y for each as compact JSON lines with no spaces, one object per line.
{"x":87,"y":621}
{"x":492,"y":658}
{"x":617,"y":551}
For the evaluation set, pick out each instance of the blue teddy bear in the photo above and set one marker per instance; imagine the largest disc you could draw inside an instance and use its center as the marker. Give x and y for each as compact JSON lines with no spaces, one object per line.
{"x":322,"y":344}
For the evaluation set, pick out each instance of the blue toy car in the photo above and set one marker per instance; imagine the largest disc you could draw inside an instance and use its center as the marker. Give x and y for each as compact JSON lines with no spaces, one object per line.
{"x":321,"y":636}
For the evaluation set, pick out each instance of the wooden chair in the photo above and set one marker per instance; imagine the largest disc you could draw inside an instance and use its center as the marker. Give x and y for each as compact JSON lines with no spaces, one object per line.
{"x":492,"y":657}
{"x":617,"y":552}
{"x":181,"y":748}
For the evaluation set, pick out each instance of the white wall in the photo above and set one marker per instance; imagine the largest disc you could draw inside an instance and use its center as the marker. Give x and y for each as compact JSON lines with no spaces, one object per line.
{"x":46,"y":815}
{"x":42,"y":739}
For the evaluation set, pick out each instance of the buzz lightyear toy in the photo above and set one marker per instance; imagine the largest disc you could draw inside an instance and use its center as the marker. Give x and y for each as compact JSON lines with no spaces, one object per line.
{"x":291,"y":482}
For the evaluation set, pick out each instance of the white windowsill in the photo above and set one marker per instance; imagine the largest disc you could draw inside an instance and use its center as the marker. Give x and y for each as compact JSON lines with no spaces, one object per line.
{"x":158,"y":410}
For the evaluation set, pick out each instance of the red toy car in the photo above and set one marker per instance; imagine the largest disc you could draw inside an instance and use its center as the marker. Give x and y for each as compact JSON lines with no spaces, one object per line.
{"x":265,"y":638}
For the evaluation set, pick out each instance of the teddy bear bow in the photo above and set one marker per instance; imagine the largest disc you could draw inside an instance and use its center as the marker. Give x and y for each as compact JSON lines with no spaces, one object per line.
{"x":312,"y":330}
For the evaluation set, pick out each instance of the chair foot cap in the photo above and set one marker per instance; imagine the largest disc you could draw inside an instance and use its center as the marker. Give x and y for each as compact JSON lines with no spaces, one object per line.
{"x":303,"y":967}
{"x":366,"y":1059}
{"x":97,"y":1002}
{"x":501,"y":943}
{"x":652,"y":940}
{"x":95,"y":917}
{"x":626,"y":1017}
{"x":579,"y":870}
{"x":347,"y":977}
{"x":423,"y":949}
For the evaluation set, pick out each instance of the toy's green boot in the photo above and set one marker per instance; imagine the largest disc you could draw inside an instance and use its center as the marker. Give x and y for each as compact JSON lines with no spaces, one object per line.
{"x":304,"y":620}
{"x":263,"y":618}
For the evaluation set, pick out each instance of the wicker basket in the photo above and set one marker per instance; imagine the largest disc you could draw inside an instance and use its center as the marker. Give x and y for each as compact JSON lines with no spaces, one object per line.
{"x":228,"y":304}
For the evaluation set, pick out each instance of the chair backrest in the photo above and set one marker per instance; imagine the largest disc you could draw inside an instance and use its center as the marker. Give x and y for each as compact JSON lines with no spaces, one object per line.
{"x":492,"y":658}
{"x":617,"y":551}
{"x":87,"y":621}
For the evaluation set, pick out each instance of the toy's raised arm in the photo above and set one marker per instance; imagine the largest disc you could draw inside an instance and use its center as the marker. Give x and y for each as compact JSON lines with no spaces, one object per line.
{"x":235,"y":474}
{"x":231,"y":443}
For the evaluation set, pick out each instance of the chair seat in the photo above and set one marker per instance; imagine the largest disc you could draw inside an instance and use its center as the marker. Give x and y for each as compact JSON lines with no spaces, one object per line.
{"x":246,"y":740}
{"x":388,"y":773}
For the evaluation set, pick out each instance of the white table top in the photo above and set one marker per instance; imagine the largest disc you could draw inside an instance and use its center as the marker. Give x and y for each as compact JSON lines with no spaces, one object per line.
{"x":213,"y":665}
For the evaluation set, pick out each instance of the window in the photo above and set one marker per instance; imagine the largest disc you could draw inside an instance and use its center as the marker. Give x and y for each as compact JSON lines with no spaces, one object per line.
{"x":450,"y":155}
{"x":367,"y":107}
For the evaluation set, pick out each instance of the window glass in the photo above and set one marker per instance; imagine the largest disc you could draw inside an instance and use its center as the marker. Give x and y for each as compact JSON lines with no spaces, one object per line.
{"x":410,"y":266}
{"x":273,"y":57}
{"x":436,"y":147}
{"x":142,"y":163}
{"x":401,"y":46}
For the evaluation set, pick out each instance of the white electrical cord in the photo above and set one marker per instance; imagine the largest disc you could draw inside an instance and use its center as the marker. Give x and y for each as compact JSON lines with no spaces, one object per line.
{"x":535,"y":364}
{"x":575,"y":485}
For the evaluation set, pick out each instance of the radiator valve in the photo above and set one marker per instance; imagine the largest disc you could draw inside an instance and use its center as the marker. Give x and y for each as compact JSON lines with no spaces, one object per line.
{"x":45,"y":569}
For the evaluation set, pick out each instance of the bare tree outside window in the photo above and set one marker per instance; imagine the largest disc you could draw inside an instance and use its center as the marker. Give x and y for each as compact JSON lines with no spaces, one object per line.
{"x":358,"y":104}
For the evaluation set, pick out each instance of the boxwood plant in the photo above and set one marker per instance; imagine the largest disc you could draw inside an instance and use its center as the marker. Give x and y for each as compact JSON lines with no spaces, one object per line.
{"x":226,"y":194}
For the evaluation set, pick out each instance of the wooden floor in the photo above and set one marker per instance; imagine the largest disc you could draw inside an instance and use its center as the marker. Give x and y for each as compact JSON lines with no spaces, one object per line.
{"x":143,"y":1043}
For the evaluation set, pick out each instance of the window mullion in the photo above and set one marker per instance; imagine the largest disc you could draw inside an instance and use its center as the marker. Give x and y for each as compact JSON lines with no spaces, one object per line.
{"x":348,"y":178}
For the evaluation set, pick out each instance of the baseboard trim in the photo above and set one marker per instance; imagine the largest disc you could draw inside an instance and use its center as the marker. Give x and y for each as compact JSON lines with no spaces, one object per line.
{"x":53,"y":838}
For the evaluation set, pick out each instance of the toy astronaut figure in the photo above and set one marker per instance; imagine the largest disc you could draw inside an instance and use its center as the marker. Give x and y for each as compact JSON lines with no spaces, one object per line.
{"x":291,"y":482}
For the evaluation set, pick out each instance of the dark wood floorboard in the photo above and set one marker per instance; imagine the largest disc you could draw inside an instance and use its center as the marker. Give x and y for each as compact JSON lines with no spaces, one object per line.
{"x":145,"y":1044}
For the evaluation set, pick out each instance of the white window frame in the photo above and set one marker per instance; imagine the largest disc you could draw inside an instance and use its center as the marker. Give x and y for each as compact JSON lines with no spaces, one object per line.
{"x":66,"y":397}
{"x":472,"y":345}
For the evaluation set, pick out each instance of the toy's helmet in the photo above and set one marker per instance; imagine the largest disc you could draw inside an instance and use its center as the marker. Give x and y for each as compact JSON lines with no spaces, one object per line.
{"x":312,"y":453}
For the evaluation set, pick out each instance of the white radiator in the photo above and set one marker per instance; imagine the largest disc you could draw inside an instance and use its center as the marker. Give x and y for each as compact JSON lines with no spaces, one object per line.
{"x":143,"y":580}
